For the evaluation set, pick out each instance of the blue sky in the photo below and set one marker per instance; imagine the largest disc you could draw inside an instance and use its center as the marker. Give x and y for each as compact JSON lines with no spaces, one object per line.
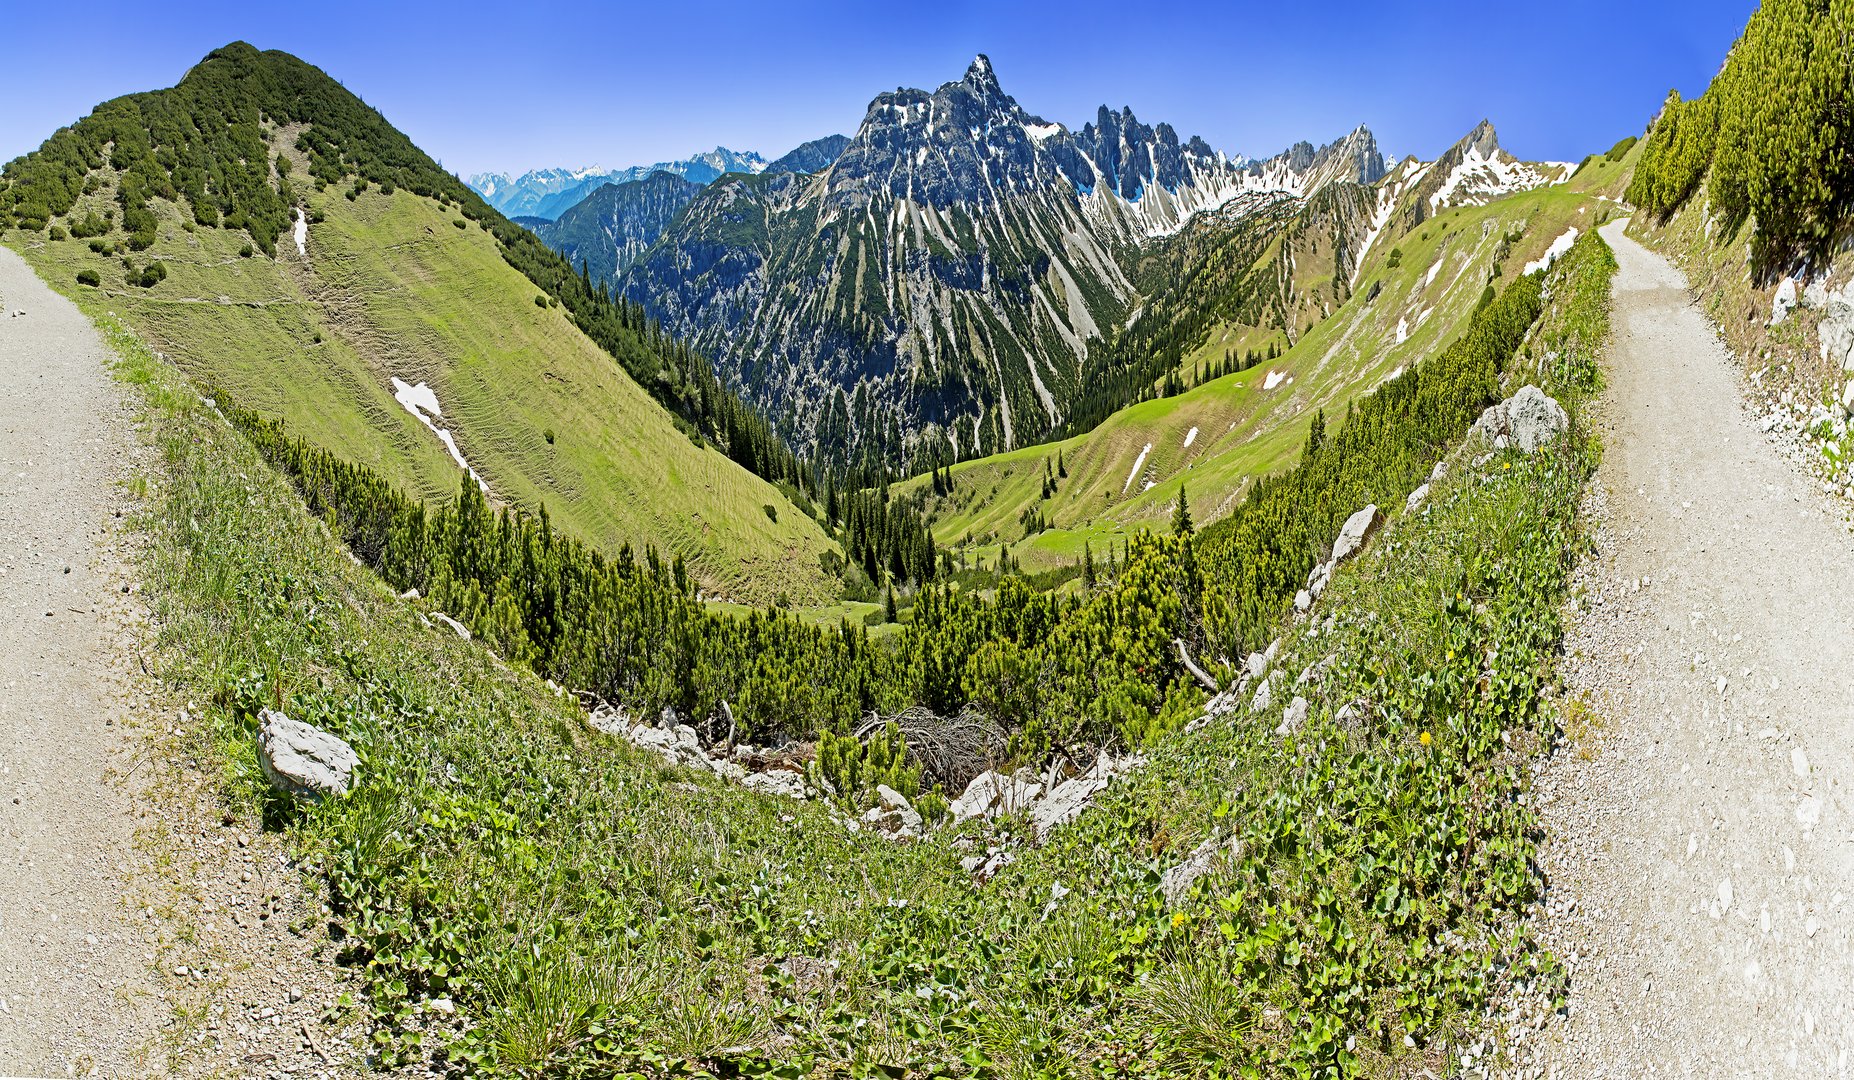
{"x":510,"y":86}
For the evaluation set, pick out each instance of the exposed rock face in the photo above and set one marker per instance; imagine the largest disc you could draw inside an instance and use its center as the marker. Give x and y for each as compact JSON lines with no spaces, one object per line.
{"x":1836,"y":329}
{"x":303,"y":760}
{"x":814,"y":156}
{"x":991,"y":794}
{"x":1783,"y":302}
{"x":1474,"y":172}
{"x":1528,"y":420}
{"x":893,"y":814}
{"x":679,"y":744}
{"x":1066,"y":800}
{"x":614,"y":225}
{"x":777,"y":782}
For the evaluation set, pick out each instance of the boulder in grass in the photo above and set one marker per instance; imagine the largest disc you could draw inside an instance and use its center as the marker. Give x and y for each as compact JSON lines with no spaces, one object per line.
{"x":1356,"y":530}
{"x":302,"y":759}
{"x":1528,"y":420}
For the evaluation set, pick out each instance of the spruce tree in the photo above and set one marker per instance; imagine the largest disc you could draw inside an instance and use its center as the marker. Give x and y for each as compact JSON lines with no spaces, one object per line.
{"x":1181,"y":517}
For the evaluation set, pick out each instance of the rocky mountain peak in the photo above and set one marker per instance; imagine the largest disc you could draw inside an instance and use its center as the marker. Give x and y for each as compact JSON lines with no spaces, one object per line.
{"x":1482,"y":140}
{"x":981,"y":78}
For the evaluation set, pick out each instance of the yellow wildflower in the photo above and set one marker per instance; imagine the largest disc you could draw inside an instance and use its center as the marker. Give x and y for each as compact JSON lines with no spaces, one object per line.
{"x":1423,"y":738}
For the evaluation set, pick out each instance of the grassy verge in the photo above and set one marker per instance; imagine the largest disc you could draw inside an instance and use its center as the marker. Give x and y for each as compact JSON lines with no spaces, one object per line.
{"x":589,"y":911}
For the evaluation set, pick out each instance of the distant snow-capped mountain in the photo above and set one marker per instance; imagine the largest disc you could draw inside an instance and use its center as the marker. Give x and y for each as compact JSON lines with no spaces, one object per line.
{"x":548,"y":193}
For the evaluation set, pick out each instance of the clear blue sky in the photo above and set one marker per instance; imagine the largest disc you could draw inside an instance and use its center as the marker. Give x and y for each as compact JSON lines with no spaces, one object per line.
{"x":509,"y":86}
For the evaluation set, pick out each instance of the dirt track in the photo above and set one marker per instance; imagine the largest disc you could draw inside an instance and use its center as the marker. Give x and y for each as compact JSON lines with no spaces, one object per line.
{"x":1699,"y":849}
{"x":73,"y":978}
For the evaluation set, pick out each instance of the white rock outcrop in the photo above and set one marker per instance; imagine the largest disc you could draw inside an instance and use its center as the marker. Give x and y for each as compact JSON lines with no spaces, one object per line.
{"x":1835,"y":331}
{"x":1783,"y":302}
{"x":1528,"y":420}
{"x":1356,"y":530}
{"x":302,"y":759}
{"x":991,"y":794}
{"x":1066,"y":801}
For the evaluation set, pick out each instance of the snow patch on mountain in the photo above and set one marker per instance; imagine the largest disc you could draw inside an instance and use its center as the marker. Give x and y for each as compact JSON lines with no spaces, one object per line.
{"x":1481,"y":178}
{"x":1557,"y":248}
{"x":422,"y":401}
{"x":1138,"y":464}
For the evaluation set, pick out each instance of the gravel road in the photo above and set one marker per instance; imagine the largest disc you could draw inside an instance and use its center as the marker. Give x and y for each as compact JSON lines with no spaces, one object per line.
{"x":1699,"y":850}
{"x":145,"y":928}
{"x":72,"y":977}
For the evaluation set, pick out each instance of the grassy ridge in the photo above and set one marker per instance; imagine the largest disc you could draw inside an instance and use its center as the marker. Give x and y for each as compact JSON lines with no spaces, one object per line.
{"x":392,"y":288}
{"x":593,"y":912}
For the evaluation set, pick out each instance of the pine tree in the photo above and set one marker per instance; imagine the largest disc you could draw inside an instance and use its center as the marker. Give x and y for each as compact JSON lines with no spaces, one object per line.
{"x":1181,"y":517}
{"x":1316,"y":436}
{"x":1087,"y":566}
{"x":889,"y":607}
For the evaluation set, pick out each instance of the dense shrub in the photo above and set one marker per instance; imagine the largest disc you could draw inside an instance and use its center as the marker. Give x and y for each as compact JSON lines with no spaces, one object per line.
{"x":1775,"y":131}
{"x":90,"y":278}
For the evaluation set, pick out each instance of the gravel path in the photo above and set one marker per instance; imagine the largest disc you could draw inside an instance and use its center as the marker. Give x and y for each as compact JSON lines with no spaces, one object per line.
{"x":1699,"y":847}
{"x":145,"y":929}
{"x":71,"y":974}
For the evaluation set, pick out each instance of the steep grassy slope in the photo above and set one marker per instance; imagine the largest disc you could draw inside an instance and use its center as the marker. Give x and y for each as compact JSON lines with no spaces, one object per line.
{"x":397,"y":285}
{"x":1426,"y":284}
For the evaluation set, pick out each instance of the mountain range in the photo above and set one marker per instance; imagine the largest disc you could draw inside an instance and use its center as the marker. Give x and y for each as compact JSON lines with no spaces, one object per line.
{"x":955,"y":265}
{"x":548,"y":193}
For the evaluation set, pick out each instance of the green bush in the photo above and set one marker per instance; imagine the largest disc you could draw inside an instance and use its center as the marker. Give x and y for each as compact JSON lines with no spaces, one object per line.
{"x":1772,"y":132}
{"x":853,"y":768}
{"x":57,"y":233}
{"x":91,"y":224}
{"x":246,"y":252}
{"x":90,"y":278}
